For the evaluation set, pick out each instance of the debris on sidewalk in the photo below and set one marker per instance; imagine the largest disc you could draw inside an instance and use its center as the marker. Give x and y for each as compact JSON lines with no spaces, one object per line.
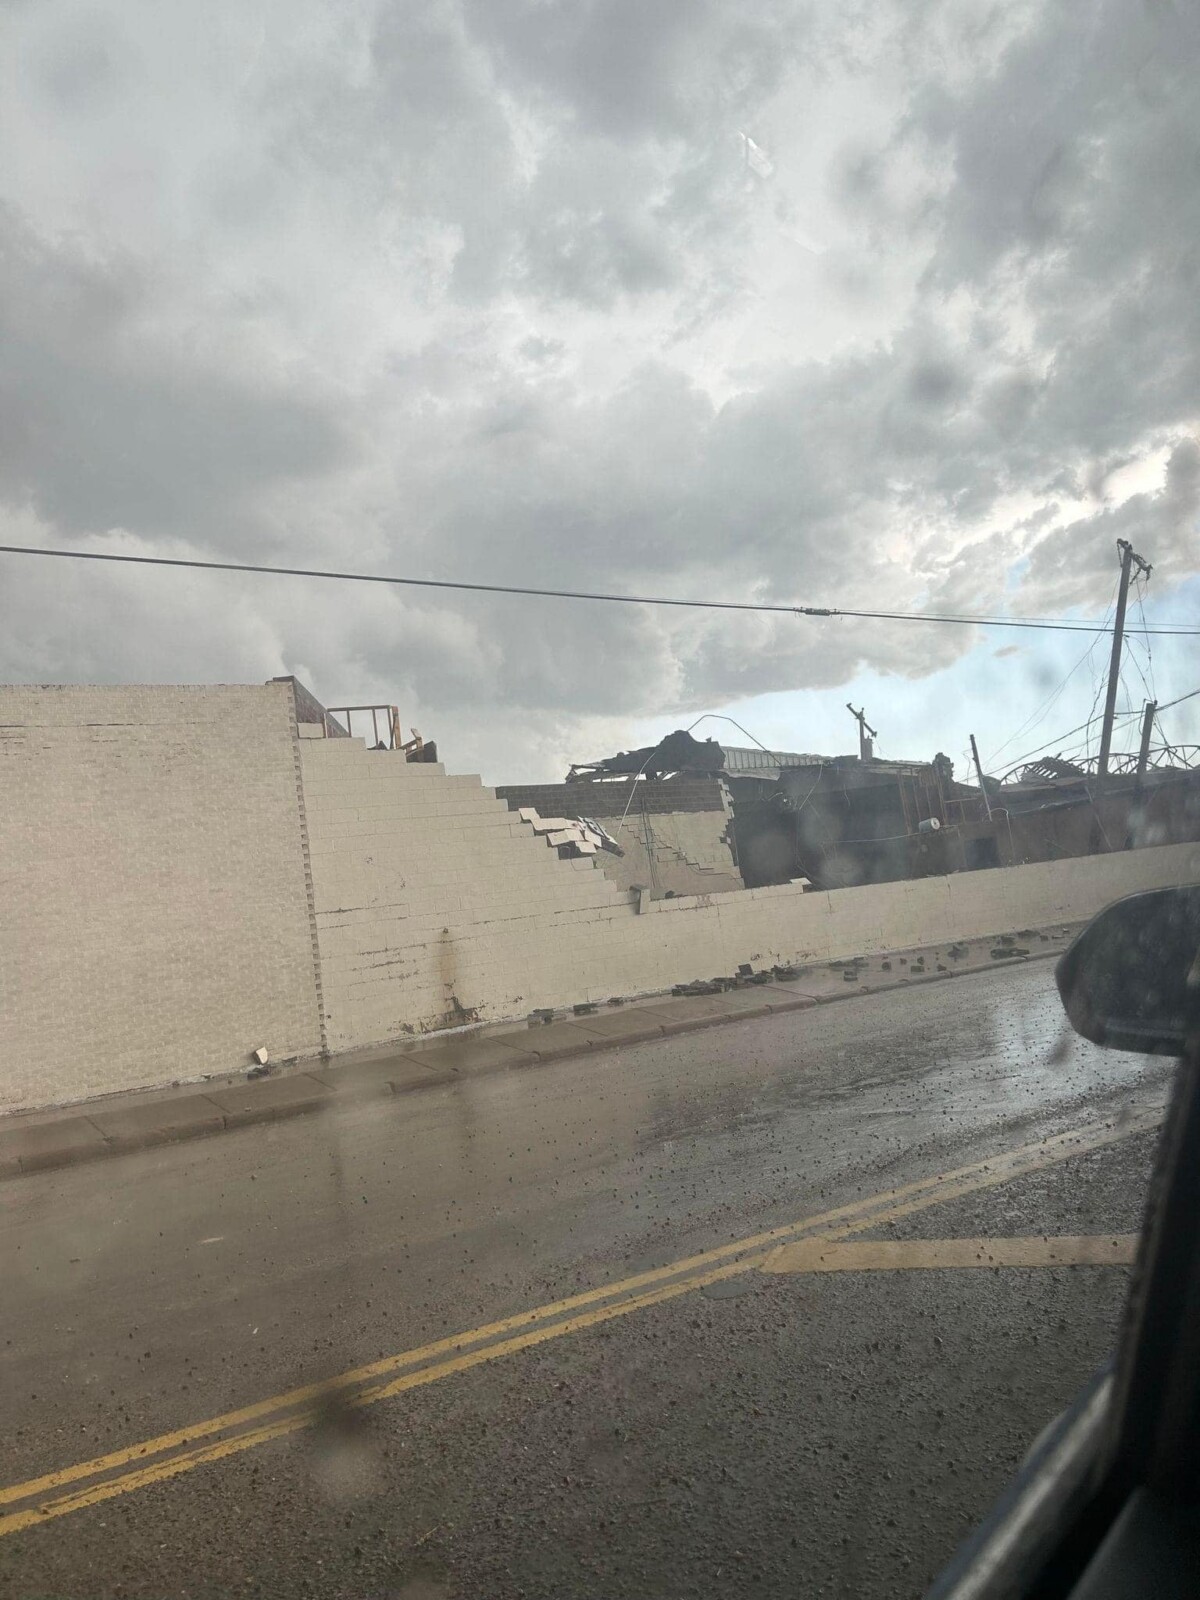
{"x":136,"y":1123}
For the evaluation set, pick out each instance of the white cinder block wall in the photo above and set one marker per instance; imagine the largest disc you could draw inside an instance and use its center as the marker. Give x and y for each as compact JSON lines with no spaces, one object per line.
{"x":158,"y":921}
{"x":435,"y":904}
{"x":783,"y":924}
{"x":685,"y":852}
{"x":154,"y":919}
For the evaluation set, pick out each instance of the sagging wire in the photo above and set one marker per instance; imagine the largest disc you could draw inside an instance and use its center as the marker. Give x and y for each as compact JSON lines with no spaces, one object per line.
{"x":1039,"y":716}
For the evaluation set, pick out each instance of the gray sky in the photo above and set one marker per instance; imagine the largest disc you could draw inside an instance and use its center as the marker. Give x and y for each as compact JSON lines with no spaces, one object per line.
{"x":498,"y":289}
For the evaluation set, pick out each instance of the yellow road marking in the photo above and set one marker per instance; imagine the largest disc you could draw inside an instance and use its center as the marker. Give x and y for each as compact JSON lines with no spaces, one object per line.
{"x":529,"y":1328}
{"x":890,"y":1255}
{"x":172,"y":1466}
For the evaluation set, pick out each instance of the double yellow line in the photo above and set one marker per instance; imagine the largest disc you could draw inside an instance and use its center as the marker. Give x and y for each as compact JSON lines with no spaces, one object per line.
{"x":88,"y":1483}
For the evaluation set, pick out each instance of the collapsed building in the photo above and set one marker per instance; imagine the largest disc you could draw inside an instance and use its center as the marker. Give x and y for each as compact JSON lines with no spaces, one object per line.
{"x":1051,"y":808}
{"x":840,"y":820}
{"x":657,"y":819}
{"x":759,"y":817}
{"x":230,"y":871}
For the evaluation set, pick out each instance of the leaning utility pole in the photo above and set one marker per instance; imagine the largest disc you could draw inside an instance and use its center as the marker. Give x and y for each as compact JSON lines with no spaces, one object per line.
{"x":1147,"y":729}
{"x":1128,"y":557}
{"x":866,"y":749}
{"x":987,"y":804}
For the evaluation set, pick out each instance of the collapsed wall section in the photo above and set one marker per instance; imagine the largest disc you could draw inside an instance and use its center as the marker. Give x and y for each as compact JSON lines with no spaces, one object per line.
{"x":435,"y":904}
{"x":158,"y":918}
{"x":673,"y":836}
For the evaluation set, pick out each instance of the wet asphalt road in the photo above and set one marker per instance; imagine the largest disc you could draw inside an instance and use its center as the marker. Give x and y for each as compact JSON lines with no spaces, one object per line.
{"x":766,"y":1434}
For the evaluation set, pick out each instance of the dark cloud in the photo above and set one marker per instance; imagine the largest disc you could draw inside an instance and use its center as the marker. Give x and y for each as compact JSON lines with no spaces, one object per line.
{"x":104,"y":422}
{"x":1082,"y":555}
{"x":630,"y":72}
{"x":486,"y":289}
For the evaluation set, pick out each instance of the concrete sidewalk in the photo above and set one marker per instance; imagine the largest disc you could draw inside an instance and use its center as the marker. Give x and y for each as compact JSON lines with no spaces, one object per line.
{"x":36,"y":1140}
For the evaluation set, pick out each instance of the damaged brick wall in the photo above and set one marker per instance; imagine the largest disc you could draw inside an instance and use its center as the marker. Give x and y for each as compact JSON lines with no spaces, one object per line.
{"x":674,"y":836}
{"x":611,"y":799}
{"x":672,"y":853}
{"x":158,"y":922}
{"x":435,"y":904}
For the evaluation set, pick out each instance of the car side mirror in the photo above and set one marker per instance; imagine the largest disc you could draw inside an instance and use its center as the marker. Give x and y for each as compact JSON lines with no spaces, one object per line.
{"x":1131,"y":980}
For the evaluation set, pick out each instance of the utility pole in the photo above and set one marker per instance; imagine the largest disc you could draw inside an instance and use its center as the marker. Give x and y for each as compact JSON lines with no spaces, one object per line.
{"x":1147,"y":729}
{"x":1128,"y":557}
{"x":866,"y":750}
{"x":987,"y":804}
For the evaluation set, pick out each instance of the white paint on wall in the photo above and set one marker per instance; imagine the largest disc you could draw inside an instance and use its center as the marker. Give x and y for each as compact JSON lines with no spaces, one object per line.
{"x":435,"y":903}
{"x":155,"y":922}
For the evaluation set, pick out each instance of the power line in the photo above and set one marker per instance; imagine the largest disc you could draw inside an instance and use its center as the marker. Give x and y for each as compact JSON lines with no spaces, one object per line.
{"x":1190,"y":695}
{"x":1054,"y":624}
{"x":718,"y":716}
{"x":1092,"y":717}
{"x":1141,"y":584}
{"x":1060,"y":737}
{"x":1036,"y":718}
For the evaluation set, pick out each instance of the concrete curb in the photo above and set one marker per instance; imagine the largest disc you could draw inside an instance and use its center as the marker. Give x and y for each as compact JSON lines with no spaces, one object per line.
{"x":71,"y":1140}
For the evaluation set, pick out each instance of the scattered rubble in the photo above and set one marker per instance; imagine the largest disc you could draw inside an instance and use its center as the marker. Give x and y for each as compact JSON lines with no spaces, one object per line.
{"x":571,"y":836}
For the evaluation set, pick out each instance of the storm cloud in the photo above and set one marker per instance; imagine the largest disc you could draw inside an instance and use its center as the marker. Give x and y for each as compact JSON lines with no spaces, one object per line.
{"x":490,"y":289}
